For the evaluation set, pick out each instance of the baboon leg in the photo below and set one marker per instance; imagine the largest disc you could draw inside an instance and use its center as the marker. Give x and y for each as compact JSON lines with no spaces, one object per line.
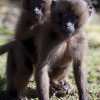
{"x":79,"y":66}
{"x":10,"y":73}
{"x":42,"y":81}
{"x":22,"y":78}
{"x":19,"y":70}
{"x":23,"y":72}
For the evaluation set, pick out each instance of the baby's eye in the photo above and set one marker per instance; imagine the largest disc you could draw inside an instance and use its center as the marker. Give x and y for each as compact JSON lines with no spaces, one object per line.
{"x":74,"y":19}
{"x":41,"y":5}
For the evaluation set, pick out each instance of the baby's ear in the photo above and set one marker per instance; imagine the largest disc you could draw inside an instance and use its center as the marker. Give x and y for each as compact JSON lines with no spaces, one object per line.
{"x":53,"y":4}
{"x":90,"y":5}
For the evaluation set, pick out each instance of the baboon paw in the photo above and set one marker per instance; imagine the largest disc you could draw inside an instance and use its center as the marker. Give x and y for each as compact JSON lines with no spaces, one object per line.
{"x":65,"y":86}
{"x":31,"y":93}
{"x":61,"y":89}
{"x":22,"y":98}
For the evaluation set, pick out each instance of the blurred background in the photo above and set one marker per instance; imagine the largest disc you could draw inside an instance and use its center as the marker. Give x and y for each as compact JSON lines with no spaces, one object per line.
{"x":9,"y":13}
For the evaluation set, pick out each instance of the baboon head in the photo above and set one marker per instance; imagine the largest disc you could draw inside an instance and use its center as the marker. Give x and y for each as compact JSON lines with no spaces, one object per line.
{"x":37,"y":8}
{"x":69,"y":15}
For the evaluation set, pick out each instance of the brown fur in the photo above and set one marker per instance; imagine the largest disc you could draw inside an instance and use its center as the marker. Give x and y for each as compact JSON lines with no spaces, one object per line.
{"x":27,"y":24}
{"x":56,"y":52}
{"x":21,"y":51}
{"x":26,"y":21}
{"x":54,"y":55}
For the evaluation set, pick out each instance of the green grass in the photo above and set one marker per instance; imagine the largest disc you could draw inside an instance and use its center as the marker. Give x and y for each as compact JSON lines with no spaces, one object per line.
{"x":2,"y":64}
{"x":4,"y":30}
{"x":93,"y":31}
{"x":93,"y":28}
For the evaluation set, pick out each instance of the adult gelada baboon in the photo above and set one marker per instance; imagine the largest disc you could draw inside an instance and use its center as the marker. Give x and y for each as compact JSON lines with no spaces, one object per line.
{"x":61,"y":40}
{"x":22,"y":49}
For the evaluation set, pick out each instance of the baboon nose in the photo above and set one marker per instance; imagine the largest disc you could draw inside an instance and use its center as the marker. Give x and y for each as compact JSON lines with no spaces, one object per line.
{"x":69,"y":24}
{"x":36,"y":10}
{"x":37,"y":13}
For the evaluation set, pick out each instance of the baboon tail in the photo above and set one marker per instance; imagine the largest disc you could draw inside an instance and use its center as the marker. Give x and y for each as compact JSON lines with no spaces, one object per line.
{"x":6,"y":47}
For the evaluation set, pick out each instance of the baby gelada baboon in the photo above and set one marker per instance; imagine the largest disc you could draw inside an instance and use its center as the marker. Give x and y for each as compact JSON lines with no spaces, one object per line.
{"x":34,"y":13}
{"x":21,"y":51}
{"x":60,"y":41}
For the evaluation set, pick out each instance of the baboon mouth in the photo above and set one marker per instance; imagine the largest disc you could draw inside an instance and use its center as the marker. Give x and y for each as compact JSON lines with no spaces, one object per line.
{"x":67,"y":33}
{"x":36,"y":18}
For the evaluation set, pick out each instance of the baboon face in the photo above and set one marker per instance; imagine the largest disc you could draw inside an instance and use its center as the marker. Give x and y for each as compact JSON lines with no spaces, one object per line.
{"x":67,"y":22}
{"x":35,"y":7}
{"x":69,"y":15}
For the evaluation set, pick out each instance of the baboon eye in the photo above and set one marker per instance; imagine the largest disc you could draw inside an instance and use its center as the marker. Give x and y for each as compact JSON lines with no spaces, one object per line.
{"x":41,"y":5}
{"x":90,"y":9}
{"x":74,"y":19}
{"x":65,"y":16}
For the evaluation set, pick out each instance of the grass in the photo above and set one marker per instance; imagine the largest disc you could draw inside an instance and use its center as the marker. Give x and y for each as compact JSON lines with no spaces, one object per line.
{"x":93,"y":63}
{"x":4,"y":30}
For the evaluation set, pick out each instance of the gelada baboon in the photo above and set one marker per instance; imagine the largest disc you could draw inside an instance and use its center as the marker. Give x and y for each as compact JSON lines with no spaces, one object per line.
{"x":34,"y":13}
{"x":20,"y":52}
{"x":20,"y":72}
{"x":60,"y":41}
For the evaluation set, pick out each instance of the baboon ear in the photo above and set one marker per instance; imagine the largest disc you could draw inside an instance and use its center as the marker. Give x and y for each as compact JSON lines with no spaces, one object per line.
{"x":90,"y":6}
{"x":53,"y":4}
{"x":90,"y":9}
